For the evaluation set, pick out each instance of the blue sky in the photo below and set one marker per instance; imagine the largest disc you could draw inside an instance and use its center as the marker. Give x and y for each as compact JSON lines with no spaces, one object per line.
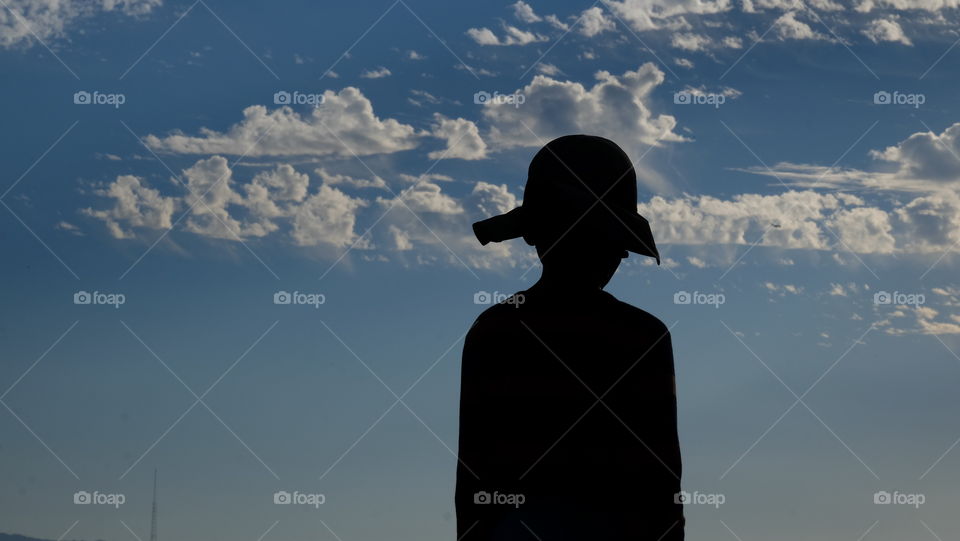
{"x":799,"y":164}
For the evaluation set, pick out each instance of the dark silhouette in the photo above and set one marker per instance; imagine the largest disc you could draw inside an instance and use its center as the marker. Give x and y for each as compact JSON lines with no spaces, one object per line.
{"x":568,"y":419}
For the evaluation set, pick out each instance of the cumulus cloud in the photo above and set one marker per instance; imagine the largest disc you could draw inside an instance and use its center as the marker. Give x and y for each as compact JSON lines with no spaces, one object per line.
{"x":693,"y":42}
{"x":614,"y":107}
{"x":886,"y":30}
{"x":220,"y":207}
{"x":523,"y":12}
{"x":922,"y":5}
{"x":335,"y":179}
{"x":923,"y":162}
{"x":690,"y":41}
{"x":345,"y":124}
{"x":548,"y":69}
{"x":512,"y":36}
{"x":557,"y":23}
{"x":327,"y":217}
{"x":21,"y":21}
{"x":808,"y":220}
{"x":135,"y":205}
{"x":932,"y":222}
{"x":423,"y":197}
{"x":462,"y":137}
{"x":926,"y":156}
{"x":787,"y":27}
{"x":653,"y":14}
{"x":378,"y":73}
{"x":594,"y":21}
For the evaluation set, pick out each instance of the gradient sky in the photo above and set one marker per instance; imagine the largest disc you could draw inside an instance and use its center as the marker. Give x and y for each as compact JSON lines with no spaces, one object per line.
{"x":802,"y":199}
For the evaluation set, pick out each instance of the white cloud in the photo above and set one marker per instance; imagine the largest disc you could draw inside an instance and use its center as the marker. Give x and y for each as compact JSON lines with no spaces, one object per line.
{"x":50,"y":19}
{"x":557,"y":23}
{"x":220,"y":208}
{"x":135,"y":205}
{"x":523,"y":12}
{"x":683,"y":63}
{"x":594,"y":21}
{"x":808,"y":220}
{"x":932,"y":222}
{"x":614,"y":107}
{"x":378,"y":73}
{"x":424,"y":197}
{"x":652,"y":14}
{"x":924,"y":5}
{"x":886,"y":30}
{"x":732,"y":42}
{"x":492,"y":199}
{"x":514,"y":36}
{"x":690,"y":41}
{"x":697,"y":262}
{"x":462,"y":137}
{"x":788,"y":27}
{"x":864,"y":230}
{"x":923,"y":162}
{"x":927,"y":156}
{"x":727,"y":92}
{"x":327,"y":217}
{"x":343,"y":125}
{"x":334,"y":179}
{"x":548,"y":69}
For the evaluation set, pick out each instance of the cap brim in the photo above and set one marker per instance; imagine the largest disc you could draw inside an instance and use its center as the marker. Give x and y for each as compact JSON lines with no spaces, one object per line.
{"x":636,"y":234}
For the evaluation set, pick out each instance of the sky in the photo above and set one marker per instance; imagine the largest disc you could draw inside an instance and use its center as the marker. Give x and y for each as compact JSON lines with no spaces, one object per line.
{"x":237,"y":250}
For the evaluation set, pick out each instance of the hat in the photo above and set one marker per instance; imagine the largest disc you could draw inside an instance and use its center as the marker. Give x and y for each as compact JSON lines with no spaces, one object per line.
{"x":576,"y":182}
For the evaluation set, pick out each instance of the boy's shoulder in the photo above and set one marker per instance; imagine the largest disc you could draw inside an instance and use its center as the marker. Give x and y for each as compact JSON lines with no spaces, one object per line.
{"x":633,"y":316}
{"x":508,"y":312}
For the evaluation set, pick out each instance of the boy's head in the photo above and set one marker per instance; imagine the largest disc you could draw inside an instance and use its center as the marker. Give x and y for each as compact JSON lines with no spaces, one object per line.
{"x":579,"y":209}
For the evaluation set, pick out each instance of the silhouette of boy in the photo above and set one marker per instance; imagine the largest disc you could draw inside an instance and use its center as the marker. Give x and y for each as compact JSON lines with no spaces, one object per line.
{"x":568,"y":416}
